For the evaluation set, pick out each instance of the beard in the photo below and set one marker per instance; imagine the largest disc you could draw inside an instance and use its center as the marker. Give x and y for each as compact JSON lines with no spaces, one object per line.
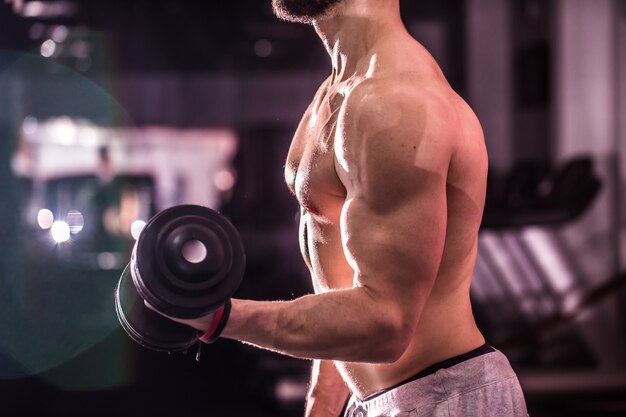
{"x":303,"y":11}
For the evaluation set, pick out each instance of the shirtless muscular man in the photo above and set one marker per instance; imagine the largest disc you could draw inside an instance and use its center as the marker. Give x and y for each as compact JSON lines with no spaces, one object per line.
{"x":389,"y":167}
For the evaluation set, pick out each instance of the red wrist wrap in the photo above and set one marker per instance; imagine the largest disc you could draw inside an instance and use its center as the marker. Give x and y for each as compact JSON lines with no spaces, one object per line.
{"x":217,"y":325}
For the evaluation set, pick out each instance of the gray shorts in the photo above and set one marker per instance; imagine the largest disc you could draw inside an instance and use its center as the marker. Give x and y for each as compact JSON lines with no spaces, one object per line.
{"x":481,"y":386}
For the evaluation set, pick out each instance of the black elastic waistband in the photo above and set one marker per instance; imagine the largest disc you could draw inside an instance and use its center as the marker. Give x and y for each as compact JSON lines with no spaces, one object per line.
{"x":447,"y":363}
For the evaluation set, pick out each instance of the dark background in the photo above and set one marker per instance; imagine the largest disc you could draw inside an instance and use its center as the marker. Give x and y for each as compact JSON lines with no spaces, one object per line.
{"x":546,"y":78}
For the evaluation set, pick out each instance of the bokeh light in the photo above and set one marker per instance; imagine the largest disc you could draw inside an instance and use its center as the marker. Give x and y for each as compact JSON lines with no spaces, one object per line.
{"x":63,"y":130}
{"x":30,"y":125}
{"x":75,"y":221}
{"x":59,"y":33}
{"x":136,"y":228}
{"x":48,"y":47}
{"x":33,"y":9}
{"x":263,"y":48}
{"x":224,"y":180}
{"x":60,"y":231}
{"x":80,"y":49}
{"x":108,"y":261}
{"x":45,"y":218}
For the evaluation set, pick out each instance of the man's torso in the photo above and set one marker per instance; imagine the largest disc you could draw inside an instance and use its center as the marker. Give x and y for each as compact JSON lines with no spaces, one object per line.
{"x":314,"y":173}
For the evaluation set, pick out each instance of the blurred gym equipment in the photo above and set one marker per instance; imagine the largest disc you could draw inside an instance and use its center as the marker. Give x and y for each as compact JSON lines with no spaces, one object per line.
{"x":529,"y":294}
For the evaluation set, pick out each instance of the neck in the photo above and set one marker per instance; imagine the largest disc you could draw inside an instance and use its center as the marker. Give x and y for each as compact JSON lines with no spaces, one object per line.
{"x":350,"y":33}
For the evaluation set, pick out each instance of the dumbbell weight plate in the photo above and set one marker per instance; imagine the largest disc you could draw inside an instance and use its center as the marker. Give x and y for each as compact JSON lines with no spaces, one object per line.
{"x":160,"y":273}
{"x":145,"y":326}
{"x":172,"y":284}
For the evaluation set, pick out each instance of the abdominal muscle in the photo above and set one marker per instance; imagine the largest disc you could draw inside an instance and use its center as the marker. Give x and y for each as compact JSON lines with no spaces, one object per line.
{"x":446,"y":327}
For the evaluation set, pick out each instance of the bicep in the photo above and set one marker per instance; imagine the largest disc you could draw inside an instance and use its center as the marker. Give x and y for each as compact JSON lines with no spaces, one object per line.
{"x":393,"y":160}
{"x":395,"y":246}
{"x":393,"y":222}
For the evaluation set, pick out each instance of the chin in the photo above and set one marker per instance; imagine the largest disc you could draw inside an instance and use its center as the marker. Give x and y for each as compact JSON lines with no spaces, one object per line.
{"x":305,"y":11}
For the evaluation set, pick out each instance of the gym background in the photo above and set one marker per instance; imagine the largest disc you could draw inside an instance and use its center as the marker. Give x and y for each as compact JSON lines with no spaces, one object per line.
{"x":113,"y":110}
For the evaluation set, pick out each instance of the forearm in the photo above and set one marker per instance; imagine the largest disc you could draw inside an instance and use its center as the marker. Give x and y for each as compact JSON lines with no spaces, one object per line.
{"x":327,"y":392}
{"x":345,"y":325}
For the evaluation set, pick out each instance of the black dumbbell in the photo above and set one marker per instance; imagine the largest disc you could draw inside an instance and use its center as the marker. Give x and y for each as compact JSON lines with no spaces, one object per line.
{"x":187,"y":262}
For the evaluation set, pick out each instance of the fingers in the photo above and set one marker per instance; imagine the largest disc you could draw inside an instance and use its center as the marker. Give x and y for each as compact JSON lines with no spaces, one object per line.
{"x":151,"y":307}
{"x":200,"y":324}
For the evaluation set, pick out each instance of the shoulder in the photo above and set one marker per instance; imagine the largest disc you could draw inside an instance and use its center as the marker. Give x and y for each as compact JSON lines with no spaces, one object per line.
{"x":385,"y":97}
{"x":405,"y":101}
{"x":394,"y":114}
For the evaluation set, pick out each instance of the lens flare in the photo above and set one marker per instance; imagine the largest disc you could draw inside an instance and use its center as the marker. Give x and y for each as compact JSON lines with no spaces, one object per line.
{"x":56,"y":303}
{"x":60,"y":231}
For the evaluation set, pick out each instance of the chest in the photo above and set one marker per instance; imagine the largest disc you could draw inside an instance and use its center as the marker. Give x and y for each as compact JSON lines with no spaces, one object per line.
{"x":310,"y":168}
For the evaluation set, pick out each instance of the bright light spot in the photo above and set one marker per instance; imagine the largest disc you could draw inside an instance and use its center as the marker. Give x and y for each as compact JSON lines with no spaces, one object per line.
{"x":75,"y":221}
{"x":30,"y":125}
{"x":550,"y":259}
{"x":47,"y":48}
{"x":60,"y":231}
{"x":571,"y":303}
{"x":289,"y":390}
{"x":194,"y":251}
{"x":48,"y":9}
{"x":224,"y":180}
{"x":62,"y":130}
{"x":89,"y":136}
{"x":59,"y":34}
{"x":33,"y":9}
{"x":136,"y":227}
{"x":263,"y":48}
{"x":45,"y":218}
{"x":107,"y":260}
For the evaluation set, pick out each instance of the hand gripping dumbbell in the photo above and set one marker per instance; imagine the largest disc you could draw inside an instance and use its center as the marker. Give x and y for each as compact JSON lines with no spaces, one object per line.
{"x":187,"y":262}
